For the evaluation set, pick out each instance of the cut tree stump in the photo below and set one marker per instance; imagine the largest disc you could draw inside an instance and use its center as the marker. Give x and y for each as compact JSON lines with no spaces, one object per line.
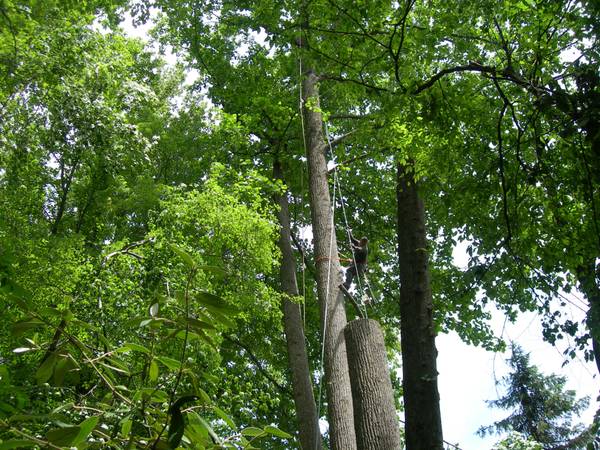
{"x":375,"y":417}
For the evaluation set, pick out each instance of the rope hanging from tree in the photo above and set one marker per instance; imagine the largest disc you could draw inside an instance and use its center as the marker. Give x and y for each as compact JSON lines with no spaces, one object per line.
{"x":364,"y":290}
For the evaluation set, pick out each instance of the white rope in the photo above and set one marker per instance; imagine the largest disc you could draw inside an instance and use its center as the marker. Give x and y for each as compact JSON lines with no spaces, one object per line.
{"x":326,"y":310}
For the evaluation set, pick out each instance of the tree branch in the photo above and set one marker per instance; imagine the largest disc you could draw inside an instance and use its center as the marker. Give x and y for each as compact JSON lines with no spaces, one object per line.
{"x":348,"y":161}
{"x":258,"y":364}
{"x":351,"y":80}
{"x":471,"y":67}
{"x":338,"y":140}
{"x":501,"y":166}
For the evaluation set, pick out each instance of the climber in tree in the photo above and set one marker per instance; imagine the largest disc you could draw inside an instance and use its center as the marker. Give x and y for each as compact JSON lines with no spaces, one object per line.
{"x":360,"y":251}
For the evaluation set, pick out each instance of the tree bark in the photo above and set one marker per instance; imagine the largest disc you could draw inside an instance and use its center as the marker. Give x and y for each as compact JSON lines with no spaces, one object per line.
{"x":423,"y":425}
{"x":331,"y":298}
{"x":306,"y":410}
{"x":375,"y":416}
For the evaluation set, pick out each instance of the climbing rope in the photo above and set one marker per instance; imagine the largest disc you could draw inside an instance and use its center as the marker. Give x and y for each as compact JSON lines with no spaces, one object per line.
{"x":336,"y":182}
{"x":330,"y":257}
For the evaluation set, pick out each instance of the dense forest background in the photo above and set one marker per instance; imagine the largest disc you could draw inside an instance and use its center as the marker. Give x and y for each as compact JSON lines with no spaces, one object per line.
{"x":169,"y":264}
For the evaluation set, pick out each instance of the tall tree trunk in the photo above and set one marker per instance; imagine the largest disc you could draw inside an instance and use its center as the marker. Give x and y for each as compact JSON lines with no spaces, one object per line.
{"x":304,"y":399}
{"x":375,"y":416}
{"x":331,"y":298}
{"x":421,"y":398}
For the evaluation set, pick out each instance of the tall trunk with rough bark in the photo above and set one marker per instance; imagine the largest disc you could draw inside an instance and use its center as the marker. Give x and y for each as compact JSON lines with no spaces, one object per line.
{"x":375,"y":416}
{"x":304,"y":399}
{"x":423,"y":425}
{"x":331,"y":298}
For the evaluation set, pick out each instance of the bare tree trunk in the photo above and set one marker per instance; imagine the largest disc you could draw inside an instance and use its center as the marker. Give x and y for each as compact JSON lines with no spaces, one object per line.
{"x":331,"y":298}
{"x":304,"y":399}
{"x":423,"y":423}
{"x":375,"y":416}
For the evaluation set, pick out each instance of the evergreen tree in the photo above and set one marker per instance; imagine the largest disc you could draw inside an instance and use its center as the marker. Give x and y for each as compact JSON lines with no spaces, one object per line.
{"x":542,"y":409}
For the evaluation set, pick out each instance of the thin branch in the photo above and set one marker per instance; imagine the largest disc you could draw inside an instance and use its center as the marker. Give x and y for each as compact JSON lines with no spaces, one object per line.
{"x":357,"y":23}
{"x":348,"y":116}
{"x":338,"y":140}
{"x":504,"y":44}
{"x":396,"y":53}
{"x":351,"y":80}
{"x":344,"y":33}
{"x":349,"y":161}
{"x":40,"y":442}
{"x":302,"y":252}
{"x":258,"y":364}
{"x":501,"y":166}
{"x":126,"y":251}
{"x":471,"y":67}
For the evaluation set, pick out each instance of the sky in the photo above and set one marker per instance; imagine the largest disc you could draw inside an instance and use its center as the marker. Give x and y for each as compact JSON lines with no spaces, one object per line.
{"x":468,"y":375}
{"x":467,"y":378}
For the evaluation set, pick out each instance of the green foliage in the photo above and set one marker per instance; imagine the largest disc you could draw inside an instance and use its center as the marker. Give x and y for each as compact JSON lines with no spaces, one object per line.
{"x":137,"y":238}
{"x":153,"y":323}
{"x":119,"y":269}
{"x":542,"y":409}
{"x":516,"y":441}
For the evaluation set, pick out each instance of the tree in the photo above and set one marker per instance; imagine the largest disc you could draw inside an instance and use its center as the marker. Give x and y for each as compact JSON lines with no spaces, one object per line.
{"x":108,"y":253}
{"x":306,"y":410}
{"x":516,"y":441}
{"x":331,"y":297}
{"x":542,"y":409}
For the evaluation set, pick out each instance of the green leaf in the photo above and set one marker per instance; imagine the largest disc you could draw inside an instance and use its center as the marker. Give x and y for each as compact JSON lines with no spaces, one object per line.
{"x":135,"y":347}
{"x":199,"y":324}
{"x":21,"y":327}
{"x":51,"y":312}
{"x":153,"y":371}
{"x":155,"y":395}
{"x":116,"y":365}
{"x":68,"y":315}
{"x":4,"y":375}
{"x":223,"y":415}
{"x":155,"y":323}
{"x":183,"y":255}
{"x":203,"y":395}
{"x":206,"y":338}
{"x":197,"y":434}
{"x":215,"y":303}
{"x":223,"y":319}
{"x":63,"y":366}
{"x":44,"y":372}
{"x":253,"y":431}
{"x":277,"y":432}
{"x":126,"y":424}
{"x":215,"y":270}
{"x":16,"y":443}
{"x":177,"y":425}
{"x":169,"y":363}
{"x":86,"y":427}
{"x":63,"y":437}
{"x":206,"y":427}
